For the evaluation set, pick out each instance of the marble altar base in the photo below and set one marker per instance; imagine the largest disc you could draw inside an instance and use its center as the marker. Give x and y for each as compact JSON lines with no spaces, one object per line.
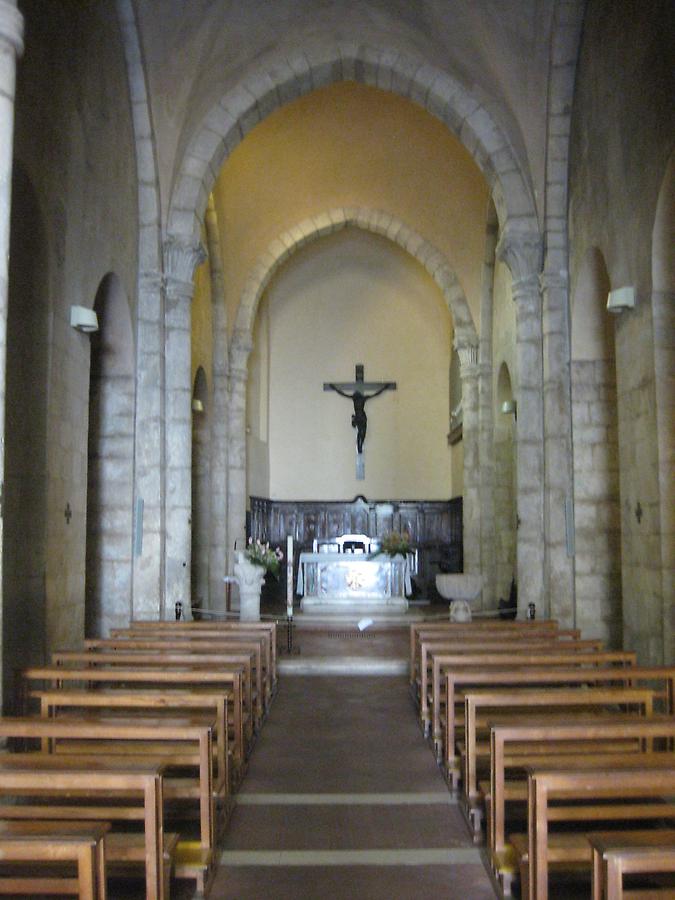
{"x":353,"y":584}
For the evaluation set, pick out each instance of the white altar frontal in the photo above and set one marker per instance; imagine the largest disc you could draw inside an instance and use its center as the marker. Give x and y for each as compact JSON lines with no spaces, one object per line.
{"x":348,"y":580}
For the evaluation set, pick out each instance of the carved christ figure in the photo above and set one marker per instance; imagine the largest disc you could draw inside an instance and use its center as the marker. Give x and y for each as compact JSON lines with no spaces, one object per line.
{"x":356,"y":392}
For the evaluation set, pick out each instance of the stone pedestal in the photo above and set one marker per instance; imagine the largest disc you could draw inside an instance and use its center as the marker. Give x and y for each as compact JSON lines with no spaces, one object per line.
{"x":250,"y":578}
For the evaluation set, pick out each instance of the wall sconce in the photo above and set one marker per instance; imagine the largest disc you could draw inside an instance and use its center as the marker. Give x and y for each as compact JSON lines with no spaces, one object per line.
{"x":197,"y":405}
{"x":509,"y":407}
{"x":83,"y":319}
{"x":620,"y":299}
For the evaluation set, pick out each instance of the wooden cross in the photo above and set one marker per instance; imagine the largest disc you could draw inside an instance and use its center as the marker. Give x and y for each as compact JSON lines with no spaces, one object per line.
{"x":359,"y":392}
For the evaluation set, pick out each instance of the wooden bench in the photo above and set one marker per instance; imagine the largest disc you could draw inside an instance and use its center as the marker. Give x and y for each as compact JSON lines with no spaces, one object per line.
{"x":121,"y":703}
{"x":80,"y":844}
{"x":647,"y":787}
{"x":514,"y":746}
{"x":518,"y":704}
{"x":229,"y":662}
{"x":424,"y":635}
{"x":153,"y":679}
{"x":660,"y":679}
{"x":170,"y":742}
{"x":631,"y":853}
{"x":90,"y":793}
{"x":196,"y":646}
{"x":444,"y":663}
{"x":520,"y":648}
{"x":204,"y":629}
{"x":265,"y":633}
{"x":499,"y":627}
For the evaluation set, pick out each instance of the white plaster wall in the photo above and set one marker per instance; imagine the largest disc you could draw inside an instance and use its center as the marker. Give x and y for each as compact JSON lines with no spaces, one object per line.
{"x":355,"y":298}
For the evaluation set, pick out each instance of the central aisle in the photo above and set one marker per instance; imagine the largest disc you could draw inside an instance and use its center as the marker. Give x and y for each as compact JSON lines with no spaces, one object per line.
{"x":343,"y":800}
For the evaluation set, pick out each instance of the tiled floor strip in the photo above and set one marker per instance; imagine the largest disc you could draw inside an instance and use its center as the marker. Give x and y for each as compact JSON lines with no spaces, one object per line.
{"x":418,"y":857}
{"x":344,"y":799}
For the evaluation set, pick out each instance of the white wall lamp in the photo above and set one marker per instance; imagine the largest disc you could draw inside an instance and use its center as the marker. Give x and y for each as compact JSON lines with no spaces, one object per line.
{"x":197,"y":405}
{"x":83,"y":319}
{"x":620,"y":299}
{"x":509,"y":407}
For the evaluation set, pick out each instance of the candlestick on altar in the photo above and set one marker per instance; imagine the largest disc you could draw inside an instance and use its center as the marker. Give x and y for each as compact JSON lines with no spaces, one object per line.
{"x":289,"y":576}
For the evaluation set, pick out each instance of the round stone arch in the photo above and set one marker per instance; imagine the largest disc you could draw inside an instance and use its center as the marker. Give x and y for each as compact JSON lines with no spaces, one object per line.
{"x":315,"y":227}
{"x":282,"y":79}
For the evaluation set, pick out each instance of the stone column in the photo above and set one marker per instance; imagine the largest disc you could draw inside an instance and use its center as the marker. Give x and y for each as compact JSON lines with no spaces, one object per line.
{"x":663,"y":313}
{"x":240,"y":348}
{"x":218,"y":562}
{"x":558,"y":478}
{"x":522,"y":254}
{"x":11,"y":46}
{"x":180,"y":262}
{"x":469,"y":373}
{"x":486,"y":448}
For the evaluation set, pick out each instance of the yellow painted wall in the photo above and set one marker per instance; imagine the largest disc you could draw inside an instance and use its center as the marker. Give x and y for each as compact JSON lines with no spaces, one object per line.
{"x":351,"y":145}
{"x":355,"y":297}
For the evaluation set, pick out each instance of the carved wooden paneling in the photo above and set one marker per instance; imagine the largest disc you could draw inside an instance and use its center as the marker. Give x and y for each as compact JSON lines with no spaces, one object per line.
{"x":435,"y":527}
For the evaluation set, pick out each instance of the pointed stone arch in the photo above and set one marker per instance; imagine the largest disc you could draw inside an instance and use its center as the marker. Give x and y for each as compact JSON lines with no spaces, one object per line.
{"x":282,"y":79}
{"x":375,"y":221}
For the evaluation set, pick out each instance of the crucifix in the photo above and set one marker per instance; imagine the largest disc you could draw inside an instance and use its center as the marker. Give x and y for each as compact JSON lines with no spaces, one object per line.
{"x":359,"y":392}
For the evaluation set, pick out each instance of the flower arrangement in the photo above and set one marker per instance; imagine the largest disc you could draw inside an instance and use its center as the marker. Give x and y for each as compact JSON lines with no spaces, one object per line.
{"x":263,"y":555}
{"x":395,"y":543}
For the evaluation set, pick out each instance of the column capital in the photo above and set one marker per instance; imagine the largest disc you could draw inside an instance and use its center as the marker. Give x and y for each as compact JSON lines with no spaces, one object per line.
{"x":522,"y":253}
{"x":11,"y":26}
{"x":468,"y":353}
{"x":180,"y":261}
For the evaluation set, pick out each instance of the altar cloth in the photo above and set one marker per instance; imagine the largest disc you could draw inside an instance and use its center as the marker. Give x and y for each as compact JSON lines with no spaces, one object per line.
{"x":353,"y":578}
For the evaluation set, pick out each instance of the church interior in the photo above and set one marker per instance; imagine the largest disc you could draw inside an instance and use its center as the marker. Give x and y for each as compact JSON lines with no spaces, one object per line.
{"x":297,"y":271}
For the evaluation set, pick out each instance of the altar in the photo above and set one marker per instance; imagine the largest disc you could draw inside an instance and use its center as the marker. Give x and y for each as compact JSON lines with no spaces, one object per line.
{"x":352,"y":580}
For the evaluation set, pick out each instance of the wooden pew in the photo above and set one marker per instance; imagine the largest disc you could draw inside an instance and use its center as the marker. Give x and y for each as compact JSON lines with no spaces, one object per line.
{"x":613,"y":786}
{"x":479,"y":626}
{"x":631,"y":853}
{"x":80,"y":844}
{"x":204,"y":629}
{"x":520,"y":703}
{"x":120,"y":703}
{"x":500,"y":660}
{"x":195,"y":645}
{"x":660,"y":679}
{"x":44,"y":784}
{"x":430,"y":651}
{"x":485,"y":628}
{"x":165,"y":679}
{"x":515,"y":745}
{"x":228,"y":662}
{"x":178,"y":741}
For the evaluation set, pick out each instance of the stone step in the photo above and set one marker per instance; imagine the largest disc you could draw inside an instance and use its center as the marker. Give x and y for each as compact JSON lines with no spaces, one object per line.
{"x":341,"y":666}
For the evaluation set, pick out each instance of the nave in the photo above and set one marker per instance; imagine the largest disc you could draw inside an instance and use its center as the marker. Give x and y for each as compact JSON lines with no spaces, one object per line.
{"x":343,"y":800}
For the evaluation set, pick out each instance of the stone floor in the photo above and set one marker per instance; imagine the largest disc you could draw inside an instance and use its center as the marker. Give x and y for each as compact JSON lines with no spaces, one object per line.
{"x":344,"y":800}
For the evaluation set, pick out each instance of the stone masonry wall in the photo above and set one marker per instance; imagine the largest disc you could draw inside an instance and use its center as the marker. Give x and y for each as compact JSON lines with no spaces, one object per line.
{"x":596,"y":501}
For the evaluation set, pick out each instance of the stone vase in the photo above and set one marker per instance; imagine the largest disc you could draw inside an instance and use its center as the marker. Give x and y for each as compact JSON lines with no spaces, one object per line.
{"x":250,"y":578}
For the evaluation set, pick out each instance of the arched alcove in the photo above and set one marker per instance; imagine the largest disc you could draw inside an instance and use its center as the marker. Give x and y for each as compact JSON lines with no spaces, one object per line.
{"x":505,"y":481}
{"x":110,"y":463}
{"x":24,"y":500}
{"x":199,"y":572}
{"x":597,"y":511}
{"x":663,"y":313}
